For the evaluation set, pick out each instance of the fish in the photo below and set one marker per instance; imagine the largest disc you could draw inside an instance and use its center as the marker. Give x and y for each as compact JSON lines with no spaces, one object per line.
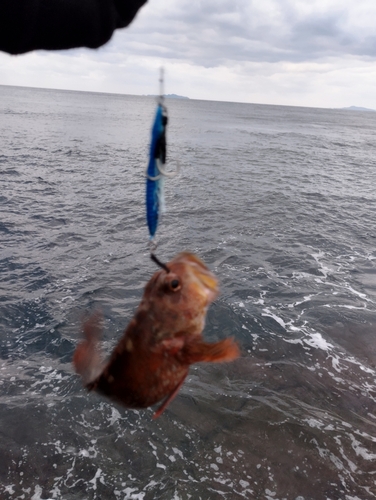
{"x":152,"y":359}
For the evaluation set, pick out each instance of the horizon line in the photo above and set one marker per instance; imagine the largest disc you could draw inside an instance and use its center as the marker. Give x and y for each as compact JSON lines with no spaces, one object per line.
{"x":185,"y":98}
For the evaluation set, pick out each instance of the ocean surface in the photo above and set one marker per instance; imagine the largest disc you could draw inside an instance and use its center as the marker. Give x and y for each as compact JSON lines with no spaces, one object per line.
{"x":280,"y":202}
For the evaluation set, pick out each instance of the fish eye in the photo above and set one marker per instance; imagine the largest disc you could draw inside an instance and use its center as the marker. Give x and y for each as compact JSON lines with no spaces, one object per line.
{"x":174,"y":285}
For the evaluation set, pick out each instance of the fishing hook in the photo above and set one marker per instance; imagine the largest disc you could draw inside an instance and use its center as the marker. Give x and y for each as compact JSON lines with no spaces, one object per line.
{"x":155,"y":259}
{"x":163,"y":172}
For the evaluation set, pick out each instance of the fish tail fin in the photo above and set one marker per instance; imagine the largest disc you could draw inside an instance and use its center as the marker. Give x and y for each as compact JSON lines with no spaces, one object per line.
{"x":87,"y":359}
{"x":218,"y":352}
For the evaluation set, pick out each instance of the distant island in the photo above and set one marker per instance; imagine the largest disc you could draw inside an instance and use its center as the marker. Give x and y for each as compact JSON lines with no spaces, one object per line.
{"x":169,"y":96}
{"x":358,"y":108}
{"x":175,"y":96}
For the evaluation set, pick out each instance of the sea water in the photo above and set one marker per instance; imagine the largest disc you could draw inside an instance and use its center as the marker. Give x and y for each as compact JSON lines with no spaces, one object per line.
{"x":280,"y":202}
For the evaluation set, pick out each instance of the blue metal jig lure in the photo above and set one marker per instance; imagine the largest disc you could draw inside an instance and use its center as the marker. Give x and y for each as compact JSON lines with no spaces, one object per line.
{"x":155,"y":172}
{"x":154,"y":175}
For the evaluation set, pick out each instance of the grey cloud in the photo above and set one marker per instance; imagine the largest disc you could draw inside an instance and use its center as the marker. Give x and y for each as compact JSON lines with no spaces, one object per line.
{"x":321,"y":35}
{"x":217,"y":32}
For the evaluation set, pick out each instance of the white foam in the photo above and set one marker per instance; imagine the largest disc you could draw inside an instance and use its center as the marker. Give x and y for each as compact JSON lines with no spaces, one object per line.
{"x":38,"y":494}
{"x":115,"y":416}
{"x":178,"y":452}
{"x":270,"y":494}
{"x":360,"y":450}
{"x":129,"y":495}
{"x":9,"y":489}
{"x":306,"y":298}
{"x":98,"y":476}
{"x":359,"y":294}
{"x":91,"y":452}
{"x":346,"y":306}
{"x":326,"y":271}
{"x":244,"y":484}
{"x":316,"y":340}
{"x":268,"y":313}
{"x":312,"y":422}
{"x":293,"y":341}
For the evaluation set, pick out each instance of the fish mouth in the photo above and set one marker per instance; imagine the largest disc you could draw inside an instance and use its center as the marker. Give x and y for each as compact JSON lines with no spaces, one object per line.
{"x":207,"y":282}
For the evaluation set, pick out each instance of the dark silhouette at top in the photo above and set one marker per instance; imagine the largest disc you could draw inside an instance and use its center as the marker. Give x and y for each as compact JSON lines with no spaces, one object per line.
{"x":27,"y":25}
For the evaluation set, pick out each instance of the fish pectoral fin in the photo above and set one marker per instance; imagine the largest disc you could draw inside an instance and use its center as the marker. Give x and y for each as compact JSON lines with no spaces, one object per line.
{"x":168,"y":400}
{"x":87,"y":357}
{"x":222,"y":351}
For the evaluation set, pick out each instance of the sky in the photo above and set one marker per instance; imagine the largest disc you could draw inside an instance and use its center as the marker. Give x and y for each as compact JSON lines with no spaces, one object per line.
{"x":316,"y":53}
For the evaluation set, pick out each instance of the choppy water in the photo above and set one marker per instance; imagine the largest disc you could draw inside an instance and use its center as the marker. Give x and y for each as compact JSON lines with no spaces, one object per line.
{"x":281,"y":203}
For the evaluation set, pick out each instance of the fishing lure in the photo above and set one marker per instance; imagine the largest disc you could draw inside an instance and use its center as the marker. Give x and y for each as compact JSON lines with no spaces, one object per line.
{"x":154,"y":175}
{"x":155,"y":172}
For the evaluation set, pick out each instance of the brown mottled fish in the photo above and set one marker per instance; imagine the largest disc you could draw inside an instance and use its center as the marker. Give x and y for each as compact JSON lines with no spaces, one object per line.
{"x":152,"y":359}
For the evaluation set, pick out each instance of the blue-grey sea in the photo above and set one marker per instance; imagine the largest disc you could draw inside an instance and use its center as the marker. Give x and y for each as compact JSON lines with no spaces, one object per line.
{"x":280,"y":202}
